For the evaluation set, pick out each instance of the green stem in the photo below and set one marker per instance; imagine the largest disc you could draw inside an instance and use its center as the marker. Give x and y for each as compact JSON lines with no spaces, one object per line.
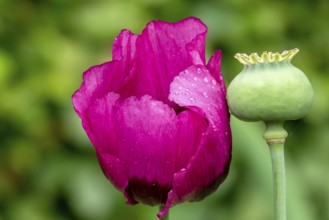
{"x":275,"y":136}
{"x":166,"y":216}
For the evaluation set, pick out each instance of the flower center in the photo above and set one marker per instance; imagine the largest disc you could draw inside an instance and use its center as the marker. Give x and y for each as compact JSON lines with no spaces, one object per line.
{"x":148,"y":193}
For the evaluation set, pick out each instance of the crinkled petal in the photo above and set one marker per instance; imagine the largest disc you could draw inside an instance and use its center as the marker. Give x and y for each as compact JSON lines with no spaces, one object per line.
{"x":213,"y":66}
{"x":124,"y":46}
{"x":144,"y":64}
{"x":191,"y":127}
{"x":162,"y":52}
{"x":196,"y":89}
{"x":100,"y":130}
{"x":140,"y":133}
{"x":159,"y":143}
{"x":146,"y":133}
{"x":114,"y":170}
{"x":99,"y":126}
{"x":107,"y":77}
{"x":141,"y":144}
{"x":137,"y":131}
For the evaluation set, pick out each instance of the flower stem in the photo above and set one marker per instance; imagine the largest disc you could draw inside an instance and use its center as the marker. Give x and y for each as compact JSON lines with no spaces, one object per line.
{"x":166,"y":216}
{"x":275,"y":136}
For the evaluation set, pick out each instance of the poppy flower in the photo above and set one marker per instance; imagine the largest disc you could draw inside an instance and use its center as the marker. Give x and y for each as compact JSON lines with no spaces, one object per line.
{"x":157,"y":115}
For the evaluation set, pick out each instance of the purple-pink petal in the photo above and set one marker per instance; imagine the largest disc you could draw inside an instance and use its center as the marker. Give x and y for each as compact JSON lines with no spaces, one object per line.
{"x":146,"y":138}
{"x":162,"y":52}
{"x":213,"y":66}
{"x":195,"y":88}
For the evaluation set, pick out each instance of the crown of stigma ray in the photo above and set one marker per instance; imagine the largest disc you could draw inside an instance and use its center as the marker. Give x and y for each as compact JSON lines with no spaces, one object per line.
{"x":266,"y":57}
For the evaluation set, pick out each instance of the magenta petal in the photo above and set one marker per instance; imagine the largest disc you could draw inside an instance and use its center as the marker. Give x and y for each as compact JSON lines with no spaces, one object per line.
{"x":113,"y":169}
{"x":162,"y":52}
{"x":124,"y":46}
{"x":195,"y":88}
{"x":213,"y":66}
{"x":107,"y":77}
{"x":191,"y":127}
{"x":146,"y":134}
{"x":98,"y":124}
{"x":142,"y":134}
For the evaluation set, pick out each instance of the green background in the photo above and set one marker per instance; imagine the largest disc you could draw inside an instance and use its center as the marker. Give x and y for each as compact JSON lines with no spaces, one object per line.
{"x":48,"y":168}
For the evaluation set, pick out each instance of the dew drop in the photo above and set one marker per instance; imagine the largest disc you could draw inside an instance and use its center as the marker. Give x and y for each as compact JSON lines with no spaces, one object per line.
{"x":198,"y":70}
{"x":195,"y":79}
{"x":192,"y":100}
{"x":214,"y":82}
{"x":205,"y":94}
{"x":206,"y":80}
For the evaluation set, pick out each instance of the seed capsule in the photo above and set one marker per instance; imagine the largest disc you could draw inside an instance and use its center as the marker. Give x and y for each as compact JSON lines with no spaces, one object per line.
{"x":269,"y":88}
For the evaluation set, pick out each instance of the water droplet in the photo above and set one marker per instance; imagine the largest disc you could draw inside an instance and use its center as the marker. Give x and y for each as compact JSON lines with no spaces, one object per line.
{"x":206,"y":80}
{"x":205,"y":94}
{"x":187,"y":90}
{"x":214,"y":82}
{"x":186,"y":71}
{"x":195,"y":79}
{"x":192,"y":100}
{"x":198,"y":70}
{"x":180,"y":88}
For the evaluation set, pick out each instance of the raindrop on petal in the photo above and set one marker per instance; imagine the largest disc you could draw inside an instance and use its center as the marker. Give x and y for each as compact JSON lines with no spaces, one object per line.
{"x":206,"y":80}
{"x":192,"y":100}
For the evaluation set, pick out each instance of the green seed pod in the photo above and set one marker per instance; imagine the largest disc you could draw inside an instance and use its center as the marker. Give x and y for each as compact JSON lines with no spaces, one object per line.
{"x":269,"y":88}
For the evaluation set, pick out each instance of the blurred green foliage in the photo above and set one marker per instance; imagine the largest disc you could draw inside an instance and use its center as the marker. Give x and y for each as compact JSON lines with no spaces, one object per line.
{"x":48,"y":168}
